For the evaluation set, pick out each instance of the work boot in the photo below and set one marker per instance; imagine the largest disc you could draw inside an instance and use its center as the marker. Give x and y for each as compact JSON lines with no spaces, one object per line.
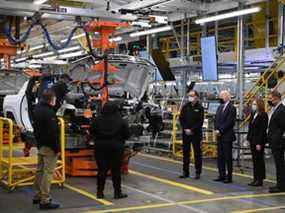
{"x":50,"y":205}
{"x":185,"y":175}
{"x":100,"y":195}
{"x":197,"y":177}
{"x":120,"y":195}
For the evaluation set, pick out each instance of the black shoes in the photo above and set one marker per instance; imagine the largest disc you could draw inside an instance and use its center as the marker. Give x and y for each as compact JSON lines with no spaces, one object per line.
{"x":197,"y":177}
{"x":120,"y":196}
{"x":100,"y":195}
{"x":184,"y":176}
{"x":275,"y":189}
{"x":219,"y":179}
{"x":228,"y":180}
{"x":37,"y":201}
{"x":224,"y":180}
{"x":50,"y":205}
{"x":256,"y":183}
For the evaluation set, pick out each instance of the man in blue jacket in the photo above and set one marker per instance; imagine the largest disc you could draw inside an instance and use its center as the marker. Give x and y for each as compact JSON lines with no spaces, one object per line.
{"x":224,"y":129}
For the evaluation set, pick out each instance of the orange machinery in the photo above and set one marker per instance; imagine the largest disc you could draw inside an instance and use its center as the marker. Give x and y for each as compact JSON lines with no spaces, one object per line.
{"x":82,"y":161}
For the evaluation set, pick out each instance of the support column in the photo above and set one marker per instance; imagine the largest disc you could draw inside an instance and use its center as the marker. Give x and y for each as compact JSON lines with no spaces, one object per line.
{"x":182,"y":52}
{"x":267,"y":14}
{"x":281,"y":24}
{"x":240,"y":63}
{"x":188,"y":39}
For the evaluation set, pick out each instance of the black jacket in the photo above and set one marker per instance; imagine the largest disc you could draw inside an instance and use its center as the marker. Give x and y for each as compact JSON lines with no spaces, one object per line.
{"x":60,"y":89}
{"x":46,"y":128}
{"x":276,"y":128}
{"x":225,"y":122}
{"x":257,"y":128}
{"x":192,"y":117}
{"x":109,"y":129}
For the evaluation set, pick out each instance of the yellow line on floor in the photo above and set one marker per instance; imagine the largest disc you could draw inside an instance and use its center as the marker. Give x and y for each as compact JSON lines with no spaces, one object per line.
{"x":192,"y":202}
{"x":172,"y":183}
{"x":204,"y":167}
{"x":260,"y":210}
{"x":88,"y":194}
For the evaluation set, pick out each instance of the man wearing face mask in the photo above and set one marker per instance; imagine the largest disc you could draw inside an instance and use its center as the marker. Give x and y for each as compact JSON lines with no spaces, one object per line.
{"x":192,"y":119}
{"x":276,"y":130}
{"x":46,"y":132}
{"x":224,"y":129}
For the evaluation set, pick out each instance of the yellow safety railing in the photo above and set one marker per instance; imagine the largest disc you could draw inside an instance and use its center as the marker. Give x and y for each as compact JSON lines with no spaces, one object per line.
{"x":20,"y":171}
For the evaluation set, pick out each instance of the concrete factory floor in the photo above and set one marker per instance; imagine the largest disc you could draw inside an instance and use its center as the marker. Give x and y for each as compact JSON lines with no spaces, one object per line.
{"x":153,"y":186}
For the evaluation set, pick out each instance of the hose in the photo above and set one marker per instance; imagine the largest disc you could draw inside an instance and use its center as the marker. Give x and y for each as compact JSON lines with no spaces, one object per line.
{"x":24,"y":37}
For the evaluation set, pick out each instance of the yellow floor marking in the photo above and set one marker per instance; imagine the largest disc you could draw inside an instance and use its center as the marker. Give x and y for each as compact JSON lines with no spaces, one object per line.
{"x":204,"y":167}
{"x":192,"y":202}
{"x":88,"y":194}
{"x":172,"y":183}
{"x":260,"y":210}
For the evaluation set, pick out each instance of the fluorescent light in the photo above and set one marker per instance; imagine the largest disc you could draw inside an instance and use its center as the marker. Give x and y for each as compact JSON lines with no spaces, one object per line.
{"x":69,"y":49}
{"x":39,"y":1}
{"x":43,"y":54}
{"x":116,"y":39}
{"x":141,"y":24}
{"x":37,"y":47}
{"x":20,"y":59}
{"x":151,"y":31}
{"x":71,"y":55}
{"x":228,"y":15}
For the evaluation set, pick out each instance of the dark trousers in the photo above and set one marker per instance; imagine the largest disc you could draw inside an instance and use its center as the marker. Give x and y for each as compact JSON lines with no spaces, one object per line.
{"x":109,"y":158}
{"x":225,"y":159}
{"x":196,"y":143}
{"x":258,"y":163}
{"x":278,"y":155}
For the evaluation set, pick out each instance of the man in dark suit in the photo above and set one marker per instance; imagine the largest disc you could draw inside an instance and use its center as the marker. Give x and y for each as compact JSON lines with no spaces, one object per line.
{"x":224,"y":129}
{"x":276,"y":130}
{"x":192,"y":119}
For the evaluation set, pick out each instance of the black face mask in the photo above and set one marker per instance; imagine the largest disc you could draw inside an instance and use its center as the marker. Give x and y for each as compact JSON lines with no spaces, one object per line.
{"x":221,"y":101}
{"x":270,"y":103}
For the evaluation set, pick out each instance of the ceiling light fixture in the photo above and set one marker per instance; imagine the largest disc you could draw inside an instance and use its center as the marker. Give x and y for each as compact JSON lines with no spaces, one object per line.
{"x":116,"y":39}
{"x":151,"y":31}
{"x":228,"y":15}
{"x":38,"y":2}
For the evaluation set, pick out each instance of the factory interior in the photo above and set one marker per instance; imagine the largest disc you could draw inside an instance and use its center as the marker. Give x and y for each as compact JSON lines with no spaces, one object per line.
{"x":197,"y":82}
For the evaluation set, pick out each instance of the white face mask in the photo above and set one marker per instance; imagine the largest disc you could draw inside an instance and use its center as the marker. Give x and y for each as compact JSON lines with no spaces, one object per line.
{"x":254,"y":107}
{"x":190,"y":99}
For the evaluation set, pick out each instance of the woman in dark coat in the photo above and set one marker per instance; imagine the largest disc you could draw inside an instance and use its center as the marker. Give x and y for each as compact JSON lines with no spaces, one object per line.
{"x":110,"y":132}
{"x":257,"y":137}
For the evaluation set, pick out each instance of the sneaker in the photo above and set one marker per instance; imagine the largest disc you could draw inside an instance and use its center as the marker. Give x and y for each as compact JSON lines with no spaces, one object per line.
{"x":49,"y":205}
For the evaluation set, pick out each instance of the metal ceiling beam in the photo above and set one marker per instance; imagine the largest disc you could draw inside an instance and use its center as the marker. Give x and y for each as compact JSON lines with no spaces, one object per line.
{"x":18,"y":8}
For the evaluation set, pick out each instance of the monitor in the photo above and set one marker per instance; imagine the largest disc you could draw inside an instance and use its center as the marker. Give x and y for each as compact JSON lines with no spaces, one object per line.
{"x":209,"y":58}
{"x":213,"y":107}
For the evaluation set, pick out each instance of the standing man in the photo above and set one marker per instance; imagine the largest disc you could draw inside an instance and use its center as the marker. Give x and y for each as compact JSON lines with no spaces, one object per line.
{"x":46,"y":132}
{"x":224,"y":129}
{"x":192,"y":119}
{"x":276,"y":140}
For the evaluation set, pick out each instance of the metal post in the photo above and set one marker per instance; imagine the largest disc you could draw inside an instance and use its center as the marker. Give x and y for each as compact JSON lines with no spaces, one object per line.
{"x":267,"y":14}
{"x":282,"y":31}
{"x":148,"y":45}
{"x":182,"y":40}
{"x":188,"y":39}
{"x":217,"y":32}
{"x":281,"y":25}
{"x":240,"y":73}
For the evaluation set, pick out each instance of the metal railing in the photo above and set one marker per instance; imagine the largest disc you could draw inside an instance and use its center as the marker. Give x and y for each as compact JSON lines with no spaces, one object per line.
{"x":16,"y":170}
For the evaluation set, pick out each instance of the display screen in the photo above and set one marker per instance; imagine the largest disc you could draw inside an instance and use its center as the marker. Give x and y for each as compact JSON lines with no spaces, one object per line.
{"x":209,"y":58}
